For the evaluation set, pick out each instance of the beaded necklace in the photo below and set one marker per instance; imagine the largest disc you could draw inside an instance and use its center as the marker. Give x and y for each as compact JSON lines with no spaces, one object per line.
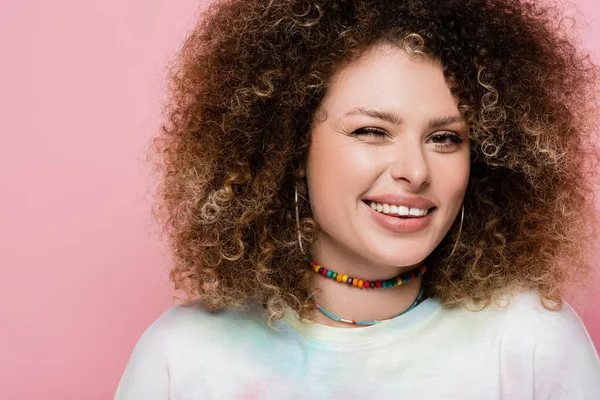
{"x":369,"y":321}
{"x":366,"y":284}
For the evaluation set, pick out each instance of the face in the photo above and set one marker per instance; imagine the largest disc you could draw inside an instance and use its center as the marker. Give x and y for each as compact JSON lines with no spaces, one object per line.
{"x":388,"y":140}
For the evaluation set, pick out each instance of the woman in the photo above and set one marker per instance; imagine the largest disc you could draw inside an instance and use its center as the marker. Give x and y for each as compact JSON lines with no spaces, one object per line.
{"x":374,"y":199}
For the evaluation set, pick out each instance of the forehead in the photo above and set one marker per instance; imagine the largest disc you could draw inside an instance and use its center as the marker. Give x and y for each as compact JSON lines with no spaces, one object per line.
{"x":386,"y":77}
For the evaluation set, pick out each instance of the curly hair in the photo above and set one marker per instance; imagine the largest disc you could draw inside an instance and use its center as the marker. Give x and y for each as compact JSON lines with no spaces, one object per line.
{"x":244,"y":89}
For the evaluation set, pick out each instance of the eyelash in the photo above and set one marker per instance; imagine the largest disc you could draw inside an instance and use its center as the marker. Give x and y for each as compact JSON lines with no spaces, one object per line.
{"x":456,"y":140}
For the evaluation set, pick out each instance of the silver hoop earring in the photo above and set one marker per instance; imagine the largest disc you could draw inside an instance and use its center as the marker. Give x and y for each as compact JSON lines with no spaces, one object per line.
{"x":462,"y":215}
{"x":298,"y":219}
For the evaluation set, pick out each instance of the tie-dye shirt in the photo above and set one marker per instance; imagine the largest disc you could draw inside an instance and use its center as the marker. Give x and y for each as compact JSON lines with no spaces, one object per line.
{"x":431,"y":352}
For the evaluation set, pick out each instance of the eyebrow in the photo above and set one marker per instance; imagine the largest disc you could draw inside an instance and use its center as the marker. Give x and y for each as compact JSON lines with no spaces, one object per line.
{"x":397,"y":120}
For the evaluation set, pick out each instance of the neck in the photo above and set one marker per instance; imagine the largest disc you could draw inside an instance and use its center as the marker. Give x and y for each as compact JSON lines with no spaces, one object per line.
{"x":353,"y":303}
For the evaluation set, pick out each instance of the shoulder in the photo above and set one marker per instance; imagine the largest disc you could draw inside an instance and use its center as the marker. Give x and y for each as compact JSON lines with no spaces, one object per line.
{"x":186,"y":339}
{"x":522,"y":328}
{"x":523,"y":312}
{"x":552,"y":347}
{"x":560,"y":337}
{"x":565,"y":361}
{"x":521,"y":315}
{"x":182,"y":324}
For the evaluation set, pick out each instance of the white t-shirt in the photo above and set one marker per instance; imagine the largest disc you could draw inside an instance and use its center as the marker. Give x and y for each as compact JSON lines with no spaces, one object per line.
{"x":431,"y":352}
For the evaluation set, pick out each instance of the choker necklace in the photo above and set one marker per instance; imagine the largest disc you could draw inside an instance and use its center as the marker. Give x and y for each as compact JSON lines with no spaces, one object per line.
{"x":365,"y":284}
{"x":369,"y":321}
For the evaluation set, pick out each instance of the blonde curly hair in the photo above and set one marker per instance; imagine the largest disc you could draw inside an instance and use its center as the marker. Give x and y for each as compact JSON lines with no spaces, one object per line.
{"x":245,"y":87}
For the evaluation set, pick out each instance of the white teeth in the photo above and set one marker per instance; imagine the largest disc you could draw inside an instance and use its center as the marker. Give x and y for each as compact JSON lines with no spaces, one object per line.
{"x":398,"y":210}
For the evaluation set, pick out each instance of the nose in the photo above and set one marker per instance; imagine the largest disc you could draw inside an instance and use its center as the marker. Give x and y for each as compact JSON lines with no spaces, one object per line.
{"x":410,"y":164}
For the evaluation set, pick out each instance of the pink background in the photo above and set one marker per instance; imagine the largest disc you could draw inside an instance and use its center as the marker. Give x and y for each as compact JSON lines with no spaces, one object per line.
{"x":83,"y":270}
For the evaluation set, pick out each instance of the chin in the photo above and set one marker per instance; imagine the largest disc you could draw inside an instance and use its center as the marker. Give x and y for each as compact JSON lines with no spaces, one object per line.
{"x":401,"y":256}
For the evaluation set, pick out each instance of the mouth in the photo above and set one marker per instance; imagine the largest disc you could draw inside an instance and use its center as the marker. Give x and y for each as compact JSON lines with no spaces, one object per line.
{"x":398,"y":211}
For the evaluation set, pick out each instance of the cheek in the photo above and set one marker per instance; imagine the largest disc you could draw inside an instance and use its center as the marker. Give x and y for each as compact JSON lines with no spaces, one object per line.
{"x":451,"y":178}
{"x":337,"y":174}
{"x":462,"y":178}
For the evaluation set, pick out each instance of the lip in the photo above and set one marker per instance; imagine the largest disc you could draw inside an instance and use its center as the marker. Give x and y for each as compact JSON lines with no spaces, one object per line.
{"x":411,"y":202}
{"x":397,"y":224}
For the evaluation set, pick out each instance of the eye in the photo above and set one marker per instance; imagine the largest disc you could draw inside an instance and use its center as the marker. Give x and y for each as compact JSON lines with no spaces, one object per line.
{"x":370,"y":132}
{"x":446,"y":140}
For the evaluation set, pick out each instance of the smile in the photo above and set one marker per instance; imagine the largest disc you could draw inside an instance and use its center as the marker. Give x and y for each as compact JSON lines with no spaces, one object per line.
{"x":398,"y":210}
{"x":397,"y":223}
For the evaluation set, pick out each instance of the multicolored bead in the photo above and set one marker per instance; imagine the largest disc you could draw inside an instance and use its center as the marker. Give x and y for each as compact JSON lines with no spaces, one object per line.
{"x":364,"y":284}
